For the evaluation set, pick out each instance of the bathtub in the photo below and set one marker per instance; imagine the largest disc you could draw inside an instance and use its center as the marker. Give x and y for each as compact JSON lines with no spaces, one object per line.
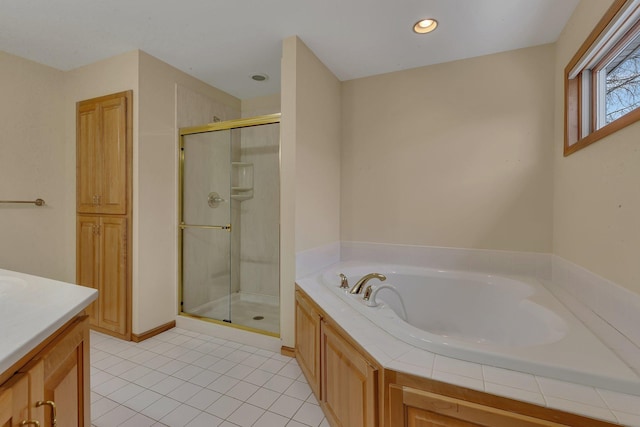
{"x":508,"y":322}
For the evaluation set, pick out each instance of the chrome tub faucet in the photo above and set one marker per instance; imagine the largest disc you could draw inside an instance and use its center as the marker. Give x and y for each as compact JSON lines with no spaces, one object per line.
{"x":357,"y":288}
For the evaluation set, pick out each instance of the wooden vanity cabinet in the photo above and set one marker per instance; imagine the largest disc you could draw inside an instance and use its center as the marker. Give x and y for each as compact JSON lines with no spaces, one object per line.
{"x":55,"y":382}
{"x":14,"y":401}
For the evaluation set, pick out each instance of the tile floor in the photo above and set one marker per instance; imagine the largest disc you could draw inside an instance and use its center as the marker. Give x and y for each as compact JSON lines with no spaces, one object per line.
{"x":183,"y":378}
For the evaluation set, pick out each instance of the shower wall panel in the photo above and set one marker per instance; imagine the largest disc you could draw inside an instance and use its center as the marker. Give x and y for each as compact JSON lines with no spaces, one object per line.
{"x":195,"y":109}
{"x":260,"y":236}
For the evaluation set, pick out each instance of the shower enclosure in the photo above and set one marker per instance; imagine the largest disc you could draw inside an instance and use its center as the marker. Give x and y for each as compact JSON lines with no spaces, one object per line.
{"x":229,"y":223}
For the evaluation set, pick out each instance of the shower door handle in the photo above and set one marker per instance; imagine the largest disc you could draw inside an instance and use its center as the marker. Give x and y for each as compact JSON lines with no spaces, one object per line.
{"x":211,"y":227}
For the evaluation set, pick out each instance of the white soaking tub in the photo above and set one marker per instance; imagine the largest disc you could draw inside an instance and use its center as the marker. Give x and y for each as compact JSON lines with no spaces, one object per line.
{"x":508,"y":322}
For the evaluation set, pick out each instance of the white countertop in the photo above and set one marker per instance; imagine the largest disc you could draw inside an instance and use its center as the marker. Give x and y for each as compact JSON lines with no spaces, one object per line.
{"x":397,"y":355}
{"x":32,"y":308}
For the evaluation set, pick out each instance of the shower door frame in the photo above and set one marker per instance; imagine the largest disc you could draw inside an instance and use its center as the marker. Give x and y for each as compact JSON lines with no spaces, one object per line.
{"x":212,"y":127}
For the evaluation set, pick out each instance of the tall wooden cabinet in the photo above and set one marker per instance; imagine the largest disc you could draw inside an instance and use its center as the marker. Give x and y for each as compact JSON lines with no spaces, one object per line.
{"x":104,"y":210}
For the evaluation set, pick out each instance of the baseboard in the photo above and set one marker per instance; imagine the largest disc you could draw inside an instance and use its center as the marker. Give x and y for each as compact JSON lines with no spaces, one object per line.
{"x":126,"y":337}
{"x":153,"y":332}
{"x":288,"y":351}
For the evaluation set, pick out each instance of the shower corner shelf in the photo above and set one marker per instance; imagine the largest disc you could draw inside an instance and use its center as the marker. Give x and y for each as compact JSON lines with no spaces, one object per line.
{"x":242,"y":181}
{"x":242,"y":197}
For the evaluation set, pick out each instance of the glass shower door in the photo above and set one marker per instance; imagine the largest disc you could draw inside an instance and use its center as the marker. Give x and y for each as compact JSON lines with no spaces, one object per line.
{"x":229,"y":223}
{"x":205,"y":225}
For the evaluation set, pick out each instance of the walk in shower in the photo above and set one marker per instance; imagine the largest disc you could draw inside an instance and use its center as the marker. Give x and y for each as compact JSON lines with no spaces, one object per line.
{"x":229,"y":223}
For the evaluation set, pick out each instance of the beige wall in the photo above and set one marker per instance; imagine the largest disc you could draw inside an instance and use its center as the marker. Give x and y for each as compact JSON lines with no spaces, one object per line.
{"x":596,"y":197}
{"x":155,"y":290}
{"x":318,"y":125}
{"x":261,"y":105}
{"x":39,"y":157}
{"x":33,"y":164}
{"x":456,"y":154}
{"x":310,"y":164}
{"x":39,"y":160}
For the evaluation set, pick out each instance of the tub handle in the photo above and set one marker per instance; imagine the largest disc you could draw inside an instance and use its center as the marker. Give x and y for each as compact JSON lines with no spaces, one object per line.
{"x":344,"y":283}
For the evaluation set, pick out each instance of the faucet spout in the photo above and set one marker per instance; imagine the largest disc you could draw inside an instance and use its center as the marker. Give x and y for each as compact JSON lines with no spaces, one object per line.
{"x":370,"y":298}
{"x":357,"y":288}
{"x":371,"y":292}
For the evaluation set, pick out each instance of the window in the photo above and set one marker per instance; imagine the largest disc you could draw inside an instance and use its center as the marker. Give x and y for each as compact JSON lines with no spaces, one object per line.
{"x":602,"y":80}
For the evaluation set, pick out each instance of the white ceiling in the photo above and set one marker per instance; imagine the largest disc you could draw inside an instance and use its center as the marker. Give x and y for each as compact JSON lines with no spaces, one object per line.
{"x":223,"y":42}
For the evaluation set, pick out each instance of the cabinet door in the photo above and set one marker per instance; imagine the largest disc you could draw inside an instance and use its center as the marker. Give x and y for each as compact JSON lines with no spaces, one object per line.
{"x":308,"y":342}
{"x":112,"y":299}
{"x":112,"y":198}
{"x":89,"y":162}
{"x":349,"y":383}
{"x":66,"y":373}
{"x":420,"y":418}
{"x":103,"y":147}
{"x":88,"y":257}
{"x":417,"y":408}
{"x":14,"y":401}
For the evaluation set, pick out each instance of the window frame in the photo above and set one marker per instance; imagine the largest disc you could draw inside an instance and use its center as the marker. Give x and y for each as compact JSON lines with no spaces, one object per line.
{"x":581,"y":90}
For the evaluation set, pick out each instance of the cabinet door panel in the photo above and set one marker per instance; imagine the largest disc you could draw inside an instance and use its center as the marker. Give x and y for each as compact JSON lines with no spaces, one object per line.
{"x":89,"y":165}
{"x":113,"y":134}
{"x":113,"y":275}
{"x":66,"y":374}
{"x":420,"y":418}
{"x":348,"y":382}
{"x":425,"y":409}
{"x":14,"y":401}
{"x":308,"y":342}
{"x":103,"y":148}
{"x":88,"y":257}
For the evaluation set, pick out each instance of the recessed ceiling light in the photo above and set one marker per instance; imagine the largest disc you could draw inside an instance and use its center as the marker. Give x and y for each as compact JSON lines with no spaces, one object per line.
{"x":425,"y":26}
{"x":260,"y":77}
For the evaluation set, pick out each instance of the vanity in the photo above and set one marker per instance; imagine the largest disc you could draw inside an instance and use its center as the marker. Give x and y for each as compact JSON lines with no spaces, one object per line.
{"x":44,"y":352}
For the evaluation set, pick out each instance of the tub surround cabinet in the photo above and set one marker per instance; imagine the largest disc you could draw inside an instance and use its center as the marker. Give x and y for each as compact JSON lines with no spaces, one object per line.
{"x":307,"y":350}
{"x":59,"y":373}
{"x":360,"y":392}
{"x":414,"y":407}
{"x":349,"y":381}
{"x":104,"y":209}
{"x":343,"y":379}
{"x":415,"y":401}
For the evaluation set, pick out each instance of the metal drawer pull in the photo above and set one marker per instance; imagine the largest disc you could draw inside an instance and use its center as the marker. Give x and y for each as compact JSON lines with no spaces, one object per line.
{"x":52,"y":404}
{"x":29,"y":422}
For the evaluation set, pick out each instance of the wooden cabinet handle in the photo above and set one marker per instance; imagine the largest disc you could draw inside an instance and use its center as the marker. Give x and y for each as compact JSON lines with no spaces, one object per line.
{"x":51,"y":404}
